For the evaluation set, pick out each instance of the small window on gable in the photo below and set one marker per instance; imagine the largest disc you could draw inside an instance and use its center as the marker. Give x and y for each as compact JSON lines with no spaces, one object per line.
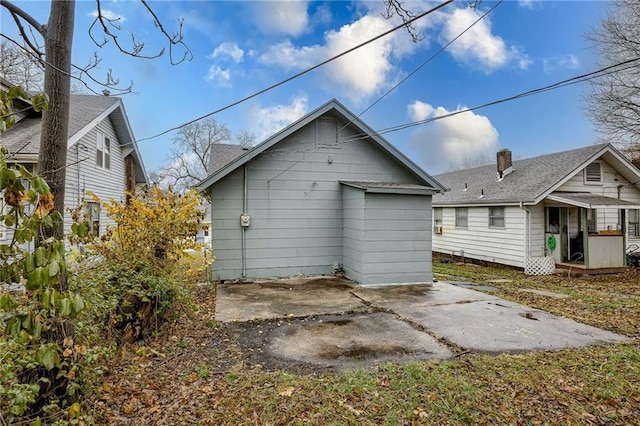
{"x":103,"y":151}
{"x":327,"y":133}
{"x":593,"y":173}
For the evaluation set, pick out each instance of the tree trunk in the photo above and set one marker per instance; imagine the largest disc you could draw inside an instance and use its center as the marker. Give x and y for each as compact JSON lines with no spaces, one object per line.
{"x":55,"y":122}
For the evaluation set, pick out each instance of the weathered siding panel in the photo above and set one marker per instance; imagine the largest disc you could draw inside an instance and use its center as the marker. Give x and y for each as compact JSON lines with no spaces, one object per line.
{"x":295,"y":203}
{"x":353,"y":206}
{"x":478,"y":241}
{"x":83,"y":175}
{"x":537,"y":229}
{"x":405,"y":232}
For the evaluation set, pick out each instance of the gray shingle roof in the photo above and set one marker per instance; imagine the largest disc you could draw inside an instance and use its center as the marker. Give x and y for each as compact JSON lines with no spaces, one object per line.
{"x":24,"y":137}
{"x":223,"y":154}
{"x":529,"y":180}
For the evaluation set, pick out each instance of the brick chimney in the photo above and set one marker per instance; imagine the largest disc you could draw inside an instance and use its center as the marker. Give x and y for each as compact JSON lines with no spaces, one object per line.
{"x":505,"y":166}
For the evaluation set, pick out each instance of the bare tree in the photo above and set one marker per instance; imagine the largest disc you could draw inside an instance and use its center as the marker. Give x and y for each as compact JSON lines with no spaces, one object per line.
{"x":57,"y":38}
{"x":614,"y":101}
{"x":471,"y":162}
{"x":398,"y":8}
{"x":245,"y":139}
{"x":192,"y":153}
{"x":20,"y":68}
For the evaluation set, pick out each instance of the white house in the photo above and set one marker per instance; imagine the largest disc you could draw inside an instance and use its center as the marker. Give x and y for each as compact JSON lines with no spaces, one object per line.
{"x":579,"y":208}
{"x":102,"y":156}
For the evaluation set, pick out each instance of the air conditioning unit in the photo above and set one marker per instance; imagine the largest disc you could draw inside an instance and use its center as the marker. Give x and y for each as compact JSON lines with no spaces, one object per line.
{"x":437,"y":229}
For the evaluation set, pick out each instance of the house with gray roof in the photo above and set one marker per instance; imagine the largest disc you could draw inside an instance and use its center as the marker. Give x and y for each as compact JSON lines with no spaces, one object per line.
{"x":102,"y":155}
{"x":325,"y":194}
{"x":574,"y":209}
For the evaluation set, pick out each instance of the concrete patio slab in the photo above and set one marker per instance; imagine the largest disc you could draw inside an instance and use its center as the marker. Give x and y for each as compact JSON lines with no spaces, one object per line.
{"x":355,"y":340}
{"x":282,"y":298}
{"x":331,"y":322}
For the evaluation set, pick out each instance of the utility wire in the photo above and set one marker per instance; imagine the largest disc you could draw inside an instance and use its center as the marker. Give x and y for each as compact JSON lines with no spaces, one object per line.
{"x":301,"y":73}
{"x":411,"y":74}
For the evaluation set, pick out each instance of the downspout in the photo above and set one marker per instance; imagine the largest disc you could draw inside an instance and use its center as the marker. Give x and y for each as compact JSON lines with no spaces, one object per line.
{"x":527,"y":231}
{"x":244,"y":228}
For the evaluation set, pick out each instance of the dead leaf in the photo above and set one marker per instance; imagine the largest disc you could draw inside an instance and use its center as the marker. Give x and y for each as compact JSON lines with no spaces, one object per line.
{"x":288,"y":391}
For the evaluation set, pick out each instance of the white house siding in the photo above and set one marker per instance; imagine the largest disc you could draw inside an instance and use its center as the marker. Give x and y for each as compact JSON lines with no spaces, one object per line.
{"x":478,"y":241}
{"x":537,"y":243}
{"x":608,"y":188}
{"x":83,"y":175}
{"x":397,"y":239}
{"x":295,"y":203}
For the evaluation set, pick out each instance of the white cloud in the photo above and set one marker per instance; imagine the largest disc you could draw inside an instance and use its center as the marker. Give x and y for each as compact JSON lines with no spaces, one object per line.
{"x":282,"y":17}
{"x":527,"y":4}
{"x":570,"y":62}
{"x":219,"y":77}
{"x":451,"y":140}
{"x":228,"y":49}
{"x":269,"y":120}
{"x":289,"y":56}
{"x":478,"y":47}
{"x":360,"y":73}
{"x":109,"y":15}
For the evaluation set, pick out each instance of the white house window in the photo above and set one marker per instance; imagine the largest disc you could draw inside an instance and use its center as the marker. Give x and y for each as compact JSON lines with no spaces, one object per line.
{"x":593,"y":173}
{"x":496,"y":217}
{"x":437,"y":216}
{"x":462,"y":217}
{"x":92,"y":211}
{"x":633,"y":231}
{"x":103,"y":151}
{"x":592,"y":221}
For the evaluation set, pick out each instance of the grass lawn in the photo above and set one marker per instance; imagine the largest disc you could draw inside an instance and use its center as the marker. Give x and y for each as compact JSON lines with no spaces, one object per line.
{"x":597,"y":385}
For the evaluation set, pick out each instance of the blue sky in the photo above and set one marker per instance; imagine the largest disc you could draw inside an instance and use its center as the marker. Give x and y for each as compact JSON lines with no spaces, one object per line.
{"x":240,"y":47}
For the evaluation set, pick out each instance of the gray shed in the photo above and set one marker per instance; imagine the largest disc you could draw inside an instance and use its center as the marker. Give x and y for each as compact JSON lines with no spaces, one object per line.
{"x":325,"y":192}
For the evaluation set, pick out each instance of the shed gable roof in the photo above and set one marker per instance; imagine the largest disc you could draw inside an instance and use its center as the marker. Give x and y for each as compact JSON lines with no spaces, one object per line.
{"x":334,"y":107}
{"x":532,"y":179}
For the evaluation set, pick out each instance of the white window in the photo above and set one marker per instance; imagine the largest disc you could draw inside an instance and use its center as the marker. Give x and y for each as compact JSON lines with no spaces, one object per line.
{"x":593,"y":173}
{"x":592,"y":221}
{"x":496,"y":217}
{"x":437,"y":216}
{"x":633,"y":231}
{"x":103,"y":151}
{"x":92,"y":211}
{"x":462,"y":217}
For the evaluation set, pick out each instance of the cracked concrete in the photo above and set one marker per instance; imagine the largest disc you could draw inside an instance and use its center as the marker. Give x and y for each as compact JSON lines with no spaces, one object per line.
{"x":333,"y":322}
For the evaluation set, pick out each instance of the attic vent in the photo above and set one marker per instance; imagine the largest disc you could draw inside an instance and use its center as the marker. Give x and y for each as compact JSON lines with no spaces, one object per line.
{"x":327,"y":133}
{"x":593,"y":173}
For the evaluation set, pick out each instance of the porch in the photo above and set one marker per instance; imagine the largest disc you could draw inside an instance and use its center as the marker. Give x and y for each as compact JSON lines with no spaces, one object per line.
{"x":587,"y":232}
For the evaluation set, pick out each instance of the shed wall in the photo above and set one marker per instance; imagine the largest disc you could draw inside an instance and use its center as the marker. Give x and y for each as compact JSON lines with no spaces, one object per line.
{"x":353,"y":232}
{"x":396,"y":248}
{"x":295,"y":202}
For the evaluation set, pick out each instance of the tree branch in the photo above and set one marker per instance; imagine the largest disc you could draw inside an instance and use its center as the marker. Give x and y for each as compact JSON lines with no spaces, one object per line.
{"x":15,"y":10}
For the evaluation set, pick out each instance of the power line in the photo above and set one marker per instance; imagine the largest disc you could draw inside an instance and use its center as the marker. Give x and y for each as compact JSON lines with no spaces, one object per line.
{"x":301,"y":73}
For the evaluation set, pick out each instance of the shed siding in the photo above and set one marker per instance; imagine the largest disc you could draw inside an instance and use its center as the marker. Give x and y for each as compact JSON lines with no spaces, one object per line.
{"x":397,"y":239}
{"x":353,"y":231}
{"x":83,"y":175}
{"x":295,"y":203}
{"x":478,"y":241}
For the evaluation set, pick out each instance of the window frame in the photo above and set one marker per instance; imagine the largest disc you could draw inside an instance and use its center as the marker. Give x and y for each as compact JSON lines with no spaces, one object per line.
{"x":93,"y":214}
{"x":324,"y":122}
{"x":103,"y":151}
{"x":633,"y":227}
{"x":462,"y":220}
{"x":493,"y":217}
